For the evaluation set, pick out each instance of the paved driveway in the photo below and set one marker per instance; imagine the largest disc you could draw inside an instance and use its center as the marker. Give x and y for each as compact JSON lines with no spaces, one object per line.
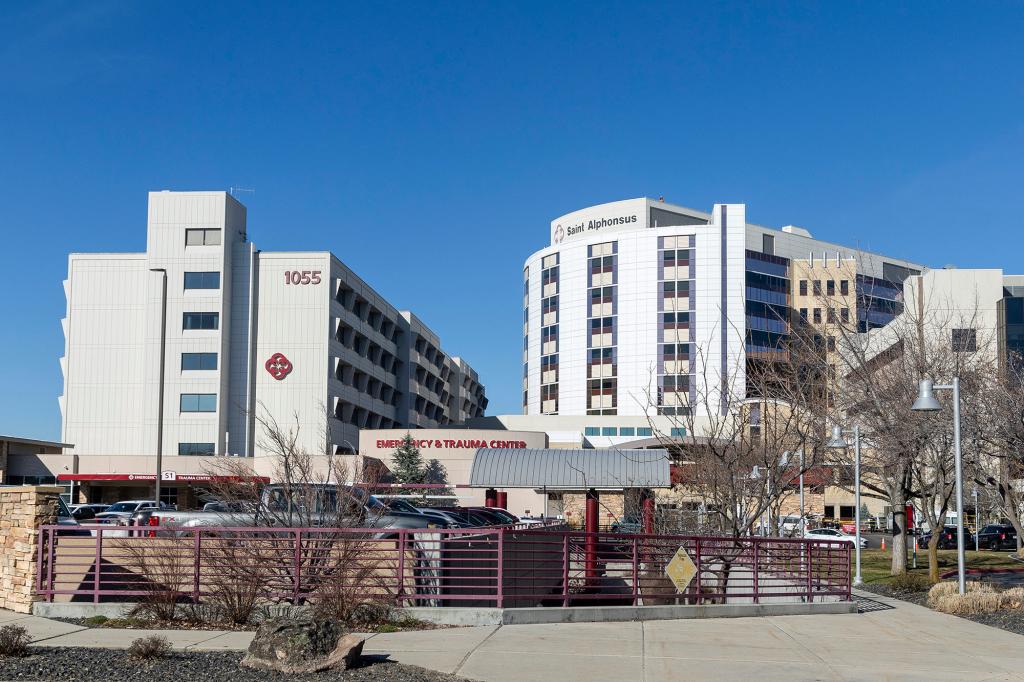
{"x":890,"y":640}
{"x":893,"y":640}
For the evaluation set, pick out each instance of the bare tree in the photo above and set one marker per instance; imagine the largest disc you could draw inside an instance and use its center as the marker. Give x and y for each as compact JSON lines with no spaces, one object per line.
{"x":909,"y":455}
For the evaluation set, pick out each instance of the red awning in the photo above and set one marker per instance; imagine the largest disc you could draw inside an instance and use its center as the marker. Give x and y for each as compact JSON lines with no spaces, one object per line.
{"x":175,"y":478}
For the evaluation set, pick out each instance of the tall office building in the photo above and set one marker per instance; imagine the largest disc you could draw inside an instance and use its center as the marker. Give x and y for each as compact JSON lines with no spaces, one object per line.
{"x":634,"y":302}
{"x":183,"y":347}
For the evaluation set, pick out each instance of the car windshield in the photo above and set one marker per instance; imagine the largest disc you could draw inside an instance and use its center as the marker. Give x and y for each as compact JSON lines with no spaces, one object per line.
{"x":123,"y":507}
{"x":62,"y":509}
{"x":991,"y":529}
{"x":402,"y":506}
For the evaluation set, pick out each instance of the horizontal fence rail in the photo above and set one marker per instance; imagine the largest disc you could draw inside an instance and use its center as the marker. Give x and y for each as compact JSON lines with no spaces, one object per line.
{"x":500,"y":566}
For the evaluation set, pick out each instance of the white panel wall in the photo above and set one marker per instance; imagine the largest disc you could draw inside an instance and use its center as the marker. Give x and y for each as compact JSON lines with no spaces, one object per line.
{"x":294,"y":320}
{"x":105,"y":328}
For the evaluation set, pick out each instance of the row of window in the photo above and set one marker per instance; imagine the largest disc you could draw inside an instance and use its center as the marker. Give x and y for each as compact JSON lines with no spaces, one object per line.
{"x":843,"y":315}
{"x":830,"y":287}
{"x":186,"y":449}
{"x":628,"y":431}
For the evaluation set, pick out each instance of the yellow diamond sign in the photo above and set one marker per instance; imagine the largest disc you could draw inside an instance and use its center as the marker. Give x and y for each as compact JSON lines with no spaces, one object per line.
{"x":681,"y":570}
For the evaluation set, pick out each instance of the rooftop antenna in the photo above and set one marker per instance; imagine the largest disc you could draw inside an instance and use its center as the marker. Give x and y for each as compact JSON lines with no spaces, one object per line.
{"x":235,"y":190}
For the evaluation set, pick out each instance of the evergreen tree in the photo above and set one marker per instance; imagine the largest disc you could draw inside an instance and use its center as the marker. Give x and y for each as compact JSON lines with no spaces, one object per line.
{"x":408,"y":462}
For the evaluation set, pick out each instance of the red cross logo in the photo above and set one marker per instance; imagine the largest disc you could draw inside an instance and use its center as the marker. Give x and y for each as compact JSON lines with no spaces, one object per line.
{"x":279,"y":366}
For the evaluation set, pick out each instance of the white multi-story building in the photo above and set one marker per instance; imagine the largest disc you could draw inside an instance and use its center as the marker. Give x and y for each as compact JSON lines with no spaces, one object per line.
{"x":636,"y":302}
{"x":184,"y":348}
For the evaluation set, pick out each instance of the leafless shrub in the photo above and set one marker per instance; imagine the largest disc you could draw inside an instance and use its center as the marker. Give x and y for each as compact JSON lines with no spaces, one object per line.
{"x":163,"y":565}
{"x":14,"y":641}
{"x":149,"y":648}
{"x":911,"y":582}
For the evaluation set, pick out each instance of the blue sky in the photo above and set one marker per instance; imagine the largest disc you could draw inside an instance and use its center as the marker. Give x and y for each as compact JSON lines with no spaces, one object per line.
{"x":428,"y":145}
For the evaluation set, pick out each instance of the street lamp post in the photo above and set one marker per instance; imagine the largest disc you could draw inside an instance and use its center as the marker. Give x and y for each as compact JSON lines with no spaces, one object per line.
{"x":838,"y":441}
{"x":926,"y":402}
{"x":160,"y":398}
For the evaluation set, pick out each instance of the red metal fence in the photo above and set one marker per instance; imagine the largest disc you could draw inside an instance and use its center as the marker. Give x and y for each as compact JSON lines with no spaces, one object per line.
{"x":503,"y":567}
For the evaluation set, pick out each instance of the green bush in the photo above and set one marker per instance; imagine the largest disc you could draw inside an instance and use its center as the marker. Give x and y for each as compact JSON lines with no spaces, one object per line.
{"x":96,"y":620}
{"x":14,"y":641}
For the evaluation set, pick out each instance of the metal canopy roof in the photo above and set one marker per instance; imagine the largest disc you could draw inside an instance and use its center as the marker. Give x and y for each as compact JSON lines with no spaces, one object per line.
{"x":569,"y":469}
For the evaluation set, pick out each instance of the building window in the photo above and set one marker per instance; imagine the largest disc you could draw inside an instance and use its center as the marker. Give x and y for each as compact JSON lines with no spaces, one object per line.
{"x":832,"y":315}
{"x":844,"y":287}
{"x":830,"y":287}
{"x":803,"y":314}
{"x":201,"y":321}
{"x":198,"y":402}
{"x":817,"y":316}
{"x":609,"y":431}
{"x":186,"y":449}
{"x":200,"y":361}
{"x":803,"y":287}
{"x":202,"y":280}
{"x":627,"y":431}
{"x":768,"y":244}
{"x":817,"y":287}
{"x":208,"y":237}
{"x":678,"y":432}
{"x":592,"y":431}
{"x":844,"y":315}
{"x":831,"y":343}
{"x":644,"y":431}
{"x":965,"y":340}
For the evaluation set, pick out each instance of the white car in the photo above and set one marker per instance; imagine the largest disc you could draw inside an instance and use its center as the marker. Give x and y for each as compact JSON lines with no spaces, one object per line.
{"x":834,"y":535}
{"x":121,"y":512}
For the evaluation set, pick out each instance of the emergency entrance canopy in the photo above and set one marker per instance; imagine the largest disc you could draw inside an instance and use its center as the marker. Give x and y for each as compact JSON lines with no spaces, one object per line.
{"x":557,"y":469}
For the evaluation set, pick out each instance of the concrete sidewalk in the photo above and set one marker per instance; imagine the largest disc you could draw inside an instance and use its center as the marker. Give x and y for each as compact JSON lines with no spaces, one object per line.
{"x":891,"y":640}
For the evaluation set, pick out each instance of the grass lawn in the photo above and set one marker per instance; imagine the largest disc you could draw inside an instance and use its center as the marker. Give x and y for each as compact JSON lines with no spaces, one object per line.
{"x":876,"y":563}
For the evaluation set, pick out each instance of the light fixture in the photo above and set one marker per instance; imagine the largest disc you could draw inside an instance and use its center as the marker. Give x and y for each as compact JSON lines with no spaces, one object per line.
{"x":837,"y":441}
{"x":926,"y":401}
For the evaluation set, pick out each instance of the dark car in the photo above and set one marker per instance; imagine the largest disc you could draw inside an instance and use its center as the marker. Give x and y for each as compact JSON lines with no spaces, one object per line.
{"x":469,"y":517}
{"x":503,"y":516}
{"x":947,"y":538}
{"x":999,"y":536}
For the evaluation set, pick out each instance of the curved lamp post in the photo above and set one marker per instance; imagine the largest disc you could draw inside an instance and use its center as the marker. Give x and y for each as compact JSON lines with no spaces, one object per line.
{"x":926,"y":402}
{"x":838,"y":441}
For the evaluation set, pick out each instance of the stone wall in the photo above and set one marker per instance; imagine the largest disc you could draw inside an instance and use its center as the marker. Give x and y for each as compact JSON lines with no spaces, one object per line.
{"x":22,"y":510}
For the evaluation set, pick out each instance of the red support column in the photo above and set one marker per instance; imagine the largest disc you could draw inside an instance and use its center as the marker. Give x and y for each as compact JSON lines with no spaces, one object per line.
{"x":648,"y":512}
{"x":591,"y":527}
{"x":490,"y":497}
{"x":502,"y":500}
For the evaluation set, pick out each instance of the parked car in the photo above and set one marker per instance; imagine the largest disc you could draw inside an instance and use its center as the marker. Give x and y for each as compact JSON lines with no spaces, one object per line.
{"x":469,"y":517}
{"x":947,"y":538}
{"x":121,"y":512}
{"x":87,"y":512}
{"x":834,"y":535}
{"x":318,"y":505}
{"x":505,"y":516}
{"x":65,"y":519}
{"x":998,"y":536}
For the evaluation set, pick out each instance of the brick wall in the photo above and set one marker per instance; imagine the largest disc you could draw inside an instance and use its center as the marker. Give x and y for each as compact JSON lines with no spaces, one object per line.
{"x":22,"y":510}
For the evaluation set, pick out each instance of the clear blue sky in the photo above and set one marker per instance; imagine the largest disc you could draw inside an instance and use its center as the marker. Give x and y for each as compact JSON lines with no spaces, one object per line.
{"x":428,"y":145}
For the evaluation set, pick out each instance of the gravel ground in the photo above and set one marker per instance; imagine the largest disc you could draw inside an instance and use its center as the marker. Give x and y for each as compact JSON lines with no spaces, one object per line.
{"x":88,"y":665}
{"x":1009,"y":620}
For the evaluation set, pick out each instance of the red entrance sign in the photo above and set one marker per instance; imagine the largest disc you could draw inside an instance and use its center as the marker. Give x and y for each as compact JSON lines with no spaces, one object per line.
{"x":180,"y":478}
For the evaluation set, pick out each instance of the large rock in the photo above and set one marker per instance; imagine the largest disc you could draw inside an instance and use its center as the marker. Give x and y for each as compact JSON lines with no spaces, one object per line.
{"x":302,"y":644}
